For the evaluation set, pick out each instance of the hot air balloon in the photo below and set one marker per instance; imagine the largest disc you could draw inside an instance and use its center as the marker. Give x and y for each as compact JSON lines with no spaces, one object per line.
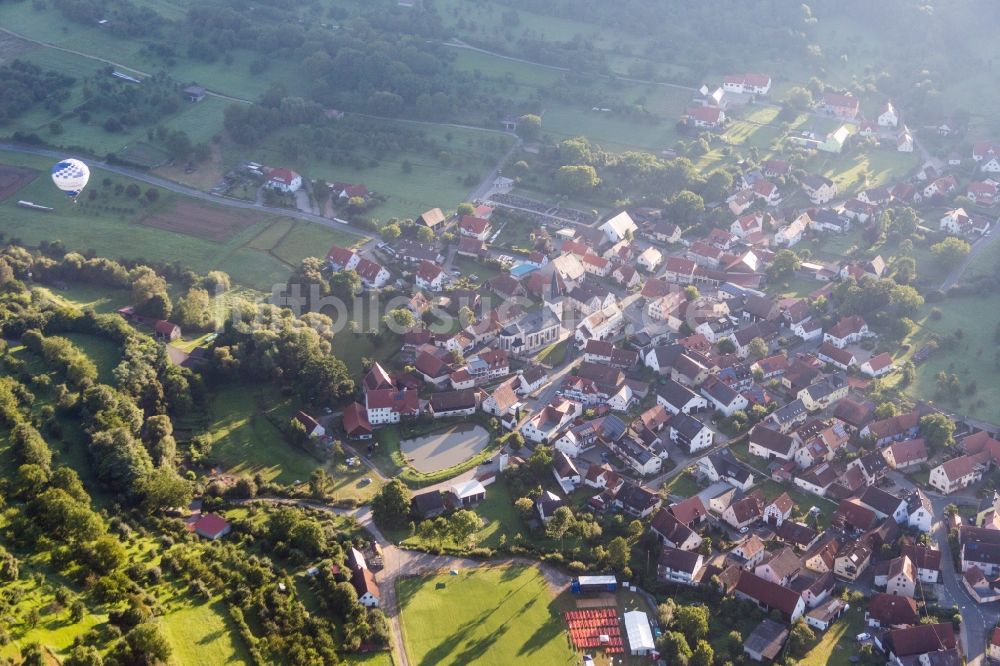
{"x":71,"y":176}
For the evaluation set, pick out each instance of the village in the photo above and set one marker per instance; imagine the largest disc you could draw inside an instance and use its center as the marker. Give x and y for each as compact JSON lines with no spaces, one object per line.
{"x":669,"y":384}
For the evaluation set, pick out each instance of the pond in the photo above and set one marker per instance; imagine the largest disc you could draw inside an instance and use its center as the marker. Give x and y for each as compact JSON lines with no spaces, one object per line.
{"x":445,"y":448}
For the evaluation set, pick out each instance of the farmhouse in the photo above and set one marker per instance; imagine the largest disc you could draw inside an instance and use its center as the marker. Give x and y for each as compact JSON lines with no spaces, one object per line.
{"x":355,"y":422}
{"x":432,"y":219}
{"x":842,"y":106}
{"x":756,"y":84}
{"x":705,"y":116}
{"x":955,"y":474}
{"x":619,"y":228}
{"x":283,"y":180}
{"x":210,"y":526}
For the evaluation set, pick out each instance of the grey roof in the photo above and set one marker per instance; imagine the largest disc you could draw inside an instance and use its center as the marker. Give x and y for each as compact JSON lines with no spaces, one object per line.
{"x":686,"y":425}
{"x":675,"y":393}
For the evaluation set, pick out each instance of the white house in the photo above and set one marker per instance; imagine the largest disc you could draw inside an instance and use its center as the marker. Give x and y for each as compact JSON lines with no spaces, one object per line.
{"x":650,"y":259}
{"x":887,"y":116}
{"x":791,"y":234}
{"x":429,"y":276}
{"x":283,"y":180}
{"x":723,"y":397}
{"x":819,"y":189}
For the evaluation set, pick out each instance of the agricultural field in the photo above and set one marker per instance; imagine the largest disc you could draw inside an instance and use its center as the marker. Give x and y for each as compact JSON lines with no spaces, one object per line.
{"x":496,"y":615}
{"x":174,"y":228}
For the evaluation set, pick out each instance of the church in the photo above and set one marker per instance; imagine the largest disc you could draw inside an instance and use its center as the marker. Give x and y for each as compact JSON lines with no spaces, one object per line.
{"x":536,"y":329}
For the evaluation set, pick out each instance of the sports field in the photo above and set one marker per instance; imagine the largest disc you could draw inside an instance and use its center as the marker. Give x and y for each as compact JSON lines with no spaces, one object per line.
{"x":487,"y":615}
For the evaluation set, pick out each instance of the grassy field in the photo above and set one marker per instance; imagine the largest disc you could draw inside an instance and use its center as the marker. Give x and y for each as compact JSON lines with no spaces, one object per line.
{"x":246,"y":442}
{"x":96,"y":226}
{"x":971,"y":358}
{"x":104,"y":353}
{"x":482,"y":616}
{"x":88,"y":297}
{"x":837,"y":644}
{"x":202,"y":633}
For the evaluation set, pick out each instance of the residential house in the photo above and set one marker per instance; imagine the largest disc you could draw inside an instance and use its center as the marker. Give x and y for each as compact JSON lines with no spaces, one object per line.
{"x":884,"y":504}
{"x":782,"y":567}
{"x":926,"y":560}
{"x":848,"y":331}
{"x":956,"y":474}
{"x":723,"y":397}
{"x":355,"y":422}
{"x":890,"y":611}
{"x":779,"y":510}
{"x":769,"y":443}
{"x":676,"y":398}
{"x":390,"y":405}
{"x":887,"y":116}
{"x":429,"y":504}
{"x":544,"y":425}
{"x":649,"y":259}
{"x":791,"y":234}
{"x":474,"y":227}
{"x":503,"y":403}
{"x":770,"y":596}
{"x":673,"y":533}
{"x":283,"y":180}
{"x":449,"y":404}
{"x":824,"y":392}
{"x":853,"y":560}
{"x":679,"y":566}
{"x":750,"y":552}
{"x":311,"y":426}
{"x":837,"y":356}
{"x":917,"y":645}
{"x":843,"y":106}
{"x":987,"y":156}
{"x":690,"y":433}
{"x":429,"y":276}
{"x":920,"y":510}
{"x":906,"y":454}
{"x":900,"y":578}
{"x":819,"y":189}
{"x":744,"y":512}
{"x":723,"y":466}
{"x":432,"y":219}
{"x":705,"y":116}
{"x":565,"y":471}
{"x":878,"y":365}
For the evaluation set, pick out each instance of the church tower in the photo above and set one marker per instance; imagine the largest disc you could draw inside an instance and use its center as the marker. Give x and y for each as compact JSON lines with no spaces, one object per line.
{"x":554,"y":298}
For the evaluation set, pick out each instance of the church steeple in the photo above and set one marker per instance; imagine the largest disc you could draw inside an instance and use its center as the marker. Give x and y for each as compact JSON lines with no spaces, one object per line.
{"x":554,"y":297}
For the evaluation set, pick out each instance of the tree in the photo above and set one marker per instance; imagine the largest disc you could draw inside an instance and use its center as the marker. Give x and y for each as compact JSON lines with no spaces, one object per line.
{"x":307,"y":535}
{"x":540,"y":460}
{"x":163,"y":488}
{"x":619,"y":553}
{"x":391,"y":505}
{"x":800,"y":638}
{"x":572,"y":179}
{"x":676,"y":648}
{"x":798,"y":98}
{"x":785,"y":263}
{"x":106,"y":554}
{"x":691,"y":293}
{"x":400,"y":319}
{"x":757,"y":348}
{"x":9,"y":568}
{"x":685,"y":208}
{"x":938,"y":430}
{"x":904,"y":270}
{"x":390,"y":232}
{"x":561,"y":522}
{"x":465,"y":209}
{"x":194,"y":310}
{"x":951,"y":250}
{"x":525,"y":507}
{"x":463,"y":524}
{"x":703,"y":655}
{"x":145,"y":645}
{"x":425,"y":234}
{"x":529,"y":127}
{"x":345,"y":283}
{"x":692,"y":621}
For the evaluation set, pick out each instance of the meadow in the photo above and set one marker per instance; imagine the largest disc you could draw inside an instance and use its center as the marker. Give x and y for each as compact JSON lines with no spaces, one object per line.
{"x":485,"y":615}
{"x":245,"y":440}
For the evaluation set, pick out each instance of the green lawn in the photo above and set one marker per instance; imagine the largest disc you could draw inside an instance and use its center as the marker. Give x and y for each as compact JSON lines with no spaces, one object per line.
{"x":972,"y":358}
{"x":682,"y":485}
{"x":104,"y":353}
{"x":203,"y":634}
{"x":98,"y":298}
{"x":485,"y":615}
{"x":246,"y":442}
{"x":837,"y":644}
